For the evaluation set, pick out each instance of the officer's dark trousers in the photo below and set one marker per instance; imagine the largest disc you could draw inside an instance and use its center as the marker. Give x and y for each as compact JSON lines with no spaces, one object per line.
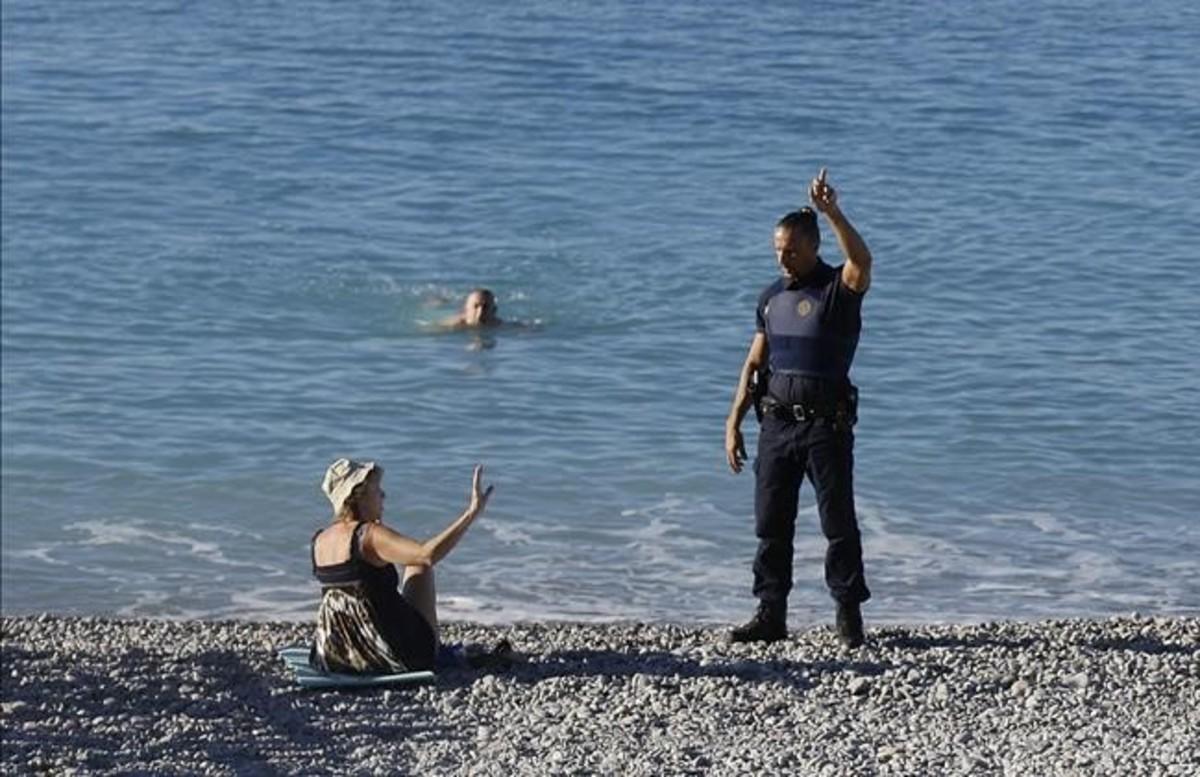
{"x":787,"y":451}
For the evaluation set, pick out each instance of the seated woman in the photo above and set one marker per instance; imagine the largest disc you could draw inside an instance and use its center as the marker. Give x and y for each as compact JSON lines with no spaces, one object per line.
{"x":367,"y":621}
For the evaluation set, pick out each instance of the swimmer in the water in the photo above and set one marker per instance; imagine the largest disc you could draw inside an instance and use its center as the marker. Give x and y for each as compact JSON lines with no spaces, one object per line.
{"x":478,"y":312}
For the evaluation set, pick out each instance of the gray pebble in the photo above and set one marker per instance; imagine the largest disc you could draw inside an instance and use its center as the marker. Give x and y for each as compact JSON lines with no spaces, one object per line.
{"x":635,"y":699}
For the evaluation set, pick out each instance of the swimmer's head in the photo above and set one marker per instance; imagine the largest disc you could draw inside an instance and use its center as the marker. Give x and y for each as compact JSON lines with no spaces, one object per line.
{"x":479,"y":308}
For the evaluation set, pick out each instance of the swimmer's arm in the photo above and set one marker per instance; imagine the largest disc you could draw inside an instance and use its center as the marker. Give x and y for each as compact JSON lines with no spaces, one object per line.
{"x":735,"y":448}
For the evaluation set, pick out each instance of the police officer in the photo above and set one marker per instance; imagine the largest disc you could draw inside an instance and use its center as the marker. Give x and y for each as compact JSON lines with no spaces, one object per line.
{"x":807,"y":330}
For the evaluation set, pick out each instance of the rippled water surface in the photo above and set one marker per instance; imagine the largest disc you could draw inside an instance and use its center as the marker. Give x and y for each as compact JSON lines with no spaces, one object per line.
{"x":227,"y":229}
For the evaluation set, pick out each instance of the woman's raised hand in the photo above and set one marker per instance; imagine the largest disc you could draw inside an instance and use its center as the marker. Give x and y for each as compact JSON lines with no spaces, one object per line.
{"x":479,"y":494}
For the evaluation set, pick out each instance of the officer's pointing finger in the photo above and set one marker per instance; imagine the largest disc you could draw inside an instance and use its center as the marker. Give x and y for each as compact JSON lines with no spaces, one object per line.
{"x":821,"y":175}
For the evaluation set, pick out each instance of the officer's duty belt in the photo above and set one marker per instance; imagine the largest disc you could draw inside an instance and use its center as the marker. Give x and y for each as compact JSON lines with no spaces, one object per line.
{"x":840,"y":411}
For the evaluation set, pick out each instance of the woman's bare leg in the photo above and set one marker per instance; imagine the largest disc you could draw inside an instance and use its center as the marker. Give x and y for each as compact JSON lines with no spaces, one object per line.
{"x":421,"y":593}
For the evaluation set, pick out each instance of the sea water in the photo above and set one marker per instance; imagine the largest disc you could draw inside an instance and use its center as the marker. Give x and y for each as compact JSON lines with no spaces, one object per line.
{"x":228,"y":230}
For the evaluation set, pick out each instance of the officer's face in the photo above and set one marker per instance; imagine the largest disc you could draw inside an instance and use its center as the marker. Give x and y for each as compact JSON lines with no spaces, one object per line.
{"x":795,"y":253}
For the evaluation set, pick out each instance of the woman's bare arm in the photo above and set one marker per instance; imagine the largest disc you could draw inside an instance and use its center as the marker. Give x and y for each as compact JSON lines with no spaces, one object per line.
{"x":393,"y":547}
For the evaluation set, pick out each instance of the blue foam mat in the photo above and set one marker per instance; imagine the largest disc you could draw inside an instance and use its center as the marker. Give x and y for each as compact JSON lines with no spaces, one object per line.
{"x":295,"y":657}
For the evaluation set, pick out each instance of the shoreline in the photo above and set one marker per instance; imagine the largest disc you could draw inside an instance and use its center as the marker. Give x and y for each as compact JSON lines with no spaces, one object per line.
{"x":800,"y":618}
{"x":100,"y":695}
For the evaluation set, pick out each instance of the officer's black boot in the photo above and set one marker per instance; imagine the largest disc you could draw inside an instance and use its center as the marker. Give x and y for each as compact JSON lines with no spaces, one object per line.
{"x":769,"y":624}
{"x":850,"y":624}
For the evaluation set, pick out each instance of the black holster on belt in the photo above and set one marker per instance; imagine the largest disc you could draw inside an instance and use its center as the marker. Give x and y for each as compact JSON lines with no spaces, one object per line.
{"x":758,"y":392}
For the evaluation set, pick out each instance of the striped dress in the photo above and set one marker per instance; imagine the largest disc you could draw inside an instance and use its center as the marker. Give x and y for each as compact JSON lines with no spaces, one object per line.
{"x":364,"y":624}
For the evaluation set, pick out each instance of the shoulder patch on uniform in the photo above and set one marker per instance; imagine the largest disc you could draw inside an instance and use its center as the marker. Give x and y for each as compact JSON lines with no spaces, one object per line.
{"x":804,"y":307}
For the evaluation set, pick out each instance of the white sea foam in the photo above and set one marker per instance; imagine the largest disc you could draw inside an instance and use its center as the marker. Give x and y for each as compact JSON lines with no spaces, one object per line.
{"x":663,"y":560}
{"x":277,"y":602}
{"x":134,"y":534}
{"x":43,"y":553}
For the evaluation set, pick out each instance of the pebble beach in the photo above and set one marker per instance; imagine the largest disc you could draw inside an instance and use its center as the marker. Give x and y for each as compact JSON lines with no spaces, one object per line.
{"x":92,"y":695}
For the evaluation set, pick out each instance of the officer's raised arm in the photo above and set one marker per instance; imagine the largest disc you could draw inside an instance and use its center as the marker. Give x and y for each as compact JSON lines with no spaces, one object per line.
{"x":856,"y":273}
{"x":735,"y":447}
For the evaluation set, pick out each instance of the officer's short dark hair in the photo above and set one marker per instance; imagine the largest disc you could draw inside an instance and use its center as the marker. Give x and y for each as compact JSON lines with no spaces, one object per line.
{"x":804,"y":220}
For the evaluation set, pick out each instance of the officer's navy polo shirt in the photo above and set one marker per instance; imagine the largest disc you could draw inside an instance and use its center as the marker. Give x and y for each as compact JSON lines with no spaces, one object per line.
{"x":812,"y":326}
